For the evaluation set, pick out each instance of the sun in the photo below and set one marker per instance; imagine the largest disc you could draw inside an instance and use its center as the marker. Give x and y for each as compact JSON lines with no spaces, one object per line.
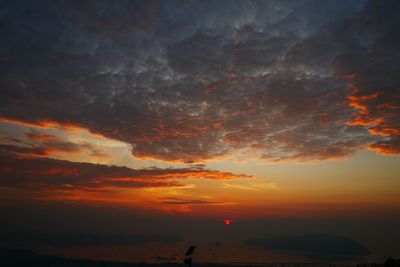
{"x":227,"y":221}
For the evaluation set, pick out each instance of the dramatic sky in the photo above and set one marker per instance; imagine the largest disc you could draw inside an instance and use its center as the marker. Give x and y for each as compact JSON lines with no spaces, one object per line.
{"x":131,"y":129}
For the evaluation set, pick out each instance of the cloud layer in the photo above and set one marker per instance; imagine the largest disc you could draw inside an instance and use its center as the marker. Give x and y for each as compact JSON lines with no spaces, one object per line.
{"x":192,"y":81}
{"x":21,"y":170}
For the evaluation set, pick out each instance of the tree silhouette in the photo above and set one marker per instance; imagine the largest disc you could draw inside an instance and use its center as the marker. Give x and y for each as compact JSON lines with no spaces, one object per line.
{"x":392,"y":262}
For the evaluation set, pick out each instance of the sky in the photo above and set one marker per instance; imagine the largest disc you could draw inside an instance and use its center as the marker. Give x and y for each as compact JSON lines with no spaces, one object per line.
{"x":130,"y":130}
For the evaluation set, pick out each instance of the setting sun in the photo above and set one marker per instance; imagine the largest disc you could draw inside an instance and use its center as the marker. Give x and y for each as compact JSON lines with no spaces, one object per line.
{"x":227,"y":222}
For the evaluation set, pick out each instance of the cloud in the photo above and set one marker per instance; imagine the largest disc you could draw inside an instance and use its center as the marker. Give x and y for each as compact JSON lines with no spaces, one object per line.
{"x":390,"y":147}
{"x":41,"y":137}
{"x":46,"y":144}
{"x":186,"y":204}
{"x":253,"y":186}
{"x":32,"y":142}
{"x":196,"y":81}
{"x":317,"y":243}
{"x":18,"y":169}
{"x":374,"y":93}
{"x":179,"y":201}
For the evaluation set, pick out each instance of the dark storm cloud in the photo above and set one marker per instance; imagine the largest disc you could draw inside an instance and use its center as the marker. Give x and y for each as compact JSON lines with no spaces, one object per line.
{"x":191,"y":81}
{"x":18,"y":169}
{"x":320,"y":244}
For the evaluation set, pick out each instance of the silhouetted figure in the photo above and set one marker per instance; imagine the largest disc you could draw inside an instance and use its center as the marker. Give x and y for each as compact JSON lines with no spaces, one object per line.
{"x":188,"y":256}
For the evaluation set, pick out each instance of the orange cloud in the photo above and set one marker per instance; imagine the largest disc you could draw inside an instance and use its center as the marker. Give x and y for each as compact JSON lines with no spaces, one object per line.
{"x":359,"y":102}
{"x":381,"y":119}
{"x":43,"y":124}
{"x":47,"y":175}
{"x":41,"y":137}
{"x":49,"y":124}
{"x":386,"y":148}
{"x":184,"y":205}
